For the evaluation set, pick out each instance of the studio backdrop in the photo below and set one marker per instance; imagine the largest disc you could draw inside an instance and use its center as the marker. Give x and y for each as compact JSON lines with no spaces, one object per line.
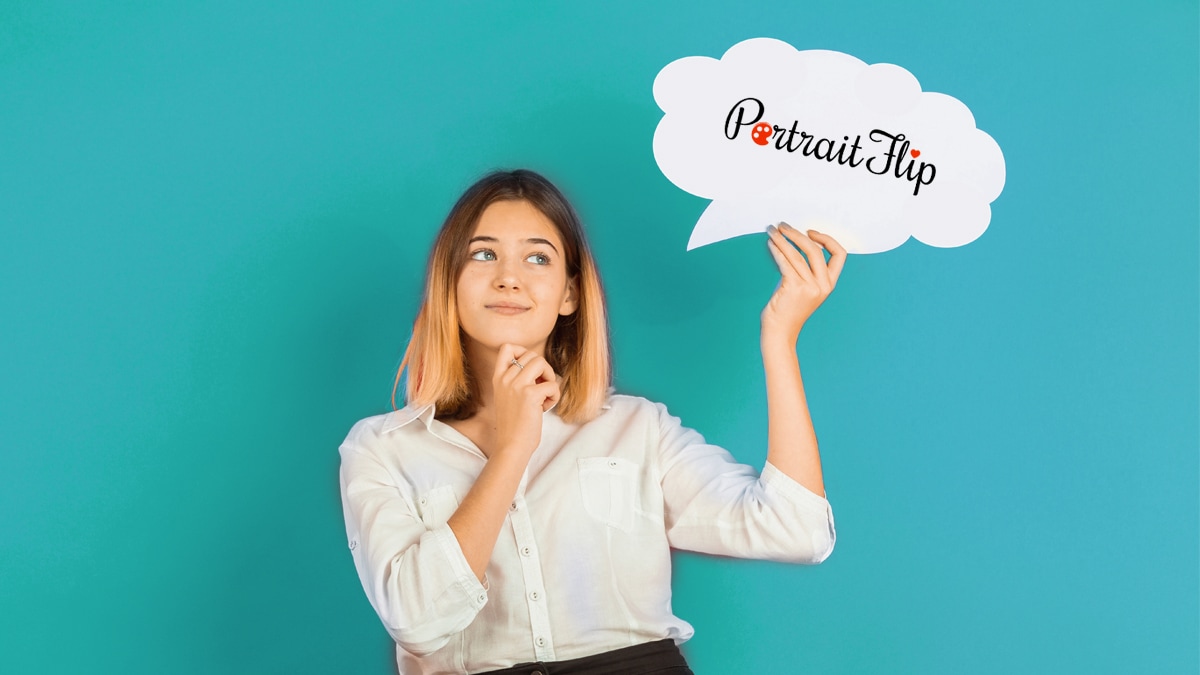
{"x":215,"y":219}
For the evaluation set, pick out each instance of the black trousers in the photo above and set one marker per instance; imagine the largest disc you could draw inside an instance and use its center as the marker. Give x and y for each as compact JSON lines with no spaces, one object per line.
{"x":659,"y":658}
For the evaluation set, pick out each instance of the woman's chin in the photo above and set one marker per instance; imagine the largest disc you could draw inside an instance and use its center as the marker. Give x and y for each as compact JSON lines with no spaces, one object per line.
{"x":494,"y":343}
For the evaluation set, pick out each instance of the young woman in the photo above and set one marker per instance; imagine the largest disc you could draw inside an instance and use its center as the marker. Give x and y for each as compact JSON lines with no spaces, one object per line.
{"x":516,"y":516}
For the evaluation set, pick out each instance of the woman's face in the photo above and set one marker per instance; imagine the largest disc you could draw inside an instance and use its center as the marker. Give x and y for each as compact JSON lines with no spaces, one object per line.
{"x":514,"y":284}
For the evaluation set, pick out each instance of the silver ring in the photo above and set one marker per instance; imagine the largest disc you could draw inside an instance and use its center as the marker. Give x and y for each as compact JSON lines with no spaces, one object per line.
{"x":518,"y":364}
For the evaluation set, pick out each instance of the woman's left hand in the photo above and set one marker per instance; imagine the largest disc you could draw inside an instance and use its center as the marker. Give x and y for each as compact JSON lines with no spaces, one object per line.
{"x":803,"y":284}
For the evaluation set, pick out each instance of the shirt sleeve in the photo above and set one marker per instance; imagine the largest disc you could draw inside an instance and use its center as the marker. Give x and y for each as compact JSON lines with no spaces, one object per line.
{"x":416,"y":578}
{"x":716,"y":505}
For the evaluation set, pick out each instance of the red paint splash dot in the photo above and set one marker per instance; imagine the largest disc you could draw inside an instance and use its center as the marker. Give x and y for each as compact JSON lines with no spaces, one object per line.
{"x":761,"y":133}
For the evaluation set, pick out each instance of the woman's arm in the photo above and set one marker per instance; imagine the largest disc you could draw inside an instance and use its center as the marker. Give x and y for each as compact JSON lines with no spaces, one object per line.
{"x":413,"y":575}
{"x":803,"y":286}
{"x":520,"y":394}
{"x":716,"y":505}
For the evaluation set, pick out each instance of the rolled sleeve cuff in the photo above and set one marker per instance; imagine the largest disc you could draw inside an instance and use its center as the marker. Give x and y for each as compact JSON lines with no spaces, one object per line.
{"x":775,"y":479}
{"x":452,"y":609}
{"x":812,"y":505}
{"x":473,"y":591}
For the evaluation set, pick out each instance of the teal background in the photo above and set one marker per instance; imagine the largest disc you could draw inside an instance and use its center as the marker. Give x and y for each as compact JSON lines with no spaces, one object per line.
{"x":214,"y":223}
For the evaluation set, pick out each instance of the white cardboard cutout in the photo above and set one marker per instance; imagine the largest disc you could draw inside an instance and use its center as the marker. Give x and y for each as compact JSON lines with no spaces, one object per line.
{"x":823,"y":141}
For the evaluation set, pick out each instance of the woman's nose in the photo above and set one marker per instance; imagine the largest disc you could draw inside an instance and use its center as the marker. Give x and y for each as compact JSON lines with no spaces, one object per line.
{"x":507,"y":276}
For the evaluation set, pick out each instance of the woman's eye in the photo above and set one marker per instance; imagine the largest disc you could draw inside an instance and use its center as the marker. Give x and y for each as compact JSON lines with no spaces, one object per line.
{"x":483,"y":254}
{"x":539,"y":259}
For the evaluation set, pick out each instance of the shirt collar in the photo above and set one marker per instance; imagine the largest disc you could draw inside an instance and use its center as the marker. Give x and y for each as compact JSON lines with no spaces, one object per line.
{"x":401,"y":417}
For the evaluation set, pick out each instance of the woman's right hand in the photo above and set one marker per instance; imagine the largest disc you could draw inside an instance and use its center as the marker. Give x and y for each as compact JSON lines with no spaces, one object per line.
{"x":521,"y":393}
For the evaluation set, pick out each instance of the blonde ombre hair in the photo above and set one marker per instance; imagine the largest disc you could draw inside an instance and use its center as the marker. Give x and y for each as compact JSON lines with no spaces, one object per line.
{"x":577,"y":348}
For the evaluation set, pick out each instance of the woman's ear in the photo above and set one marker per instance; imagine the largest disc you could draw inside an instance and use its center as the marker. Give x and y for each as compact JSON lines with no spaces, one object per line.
{"x":571,"y":300}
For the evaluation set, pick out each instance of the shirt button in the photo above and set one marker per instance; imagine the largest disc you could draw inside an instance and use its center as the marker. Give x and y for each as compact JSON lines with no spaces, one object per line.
{"x":541,"y":641}
{"x":534,"y":596}
{"x":513,"y":506}
{"x":482,"y":597}
{"x":423,"y":500}
{"x":525,"y":551}
{"x":612,"y":463}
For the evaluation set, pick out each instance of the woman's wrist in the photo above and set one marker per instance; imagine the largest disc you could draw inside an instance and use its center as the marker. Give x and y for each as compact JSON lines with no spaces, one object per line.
{"x":774,"y":339}
{"x":517,"y":453}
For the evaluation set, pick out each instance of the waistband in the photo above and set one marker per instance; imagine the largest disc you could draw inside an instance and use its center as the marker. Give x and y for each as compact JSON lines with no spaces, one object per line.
{"x":662,"y":656}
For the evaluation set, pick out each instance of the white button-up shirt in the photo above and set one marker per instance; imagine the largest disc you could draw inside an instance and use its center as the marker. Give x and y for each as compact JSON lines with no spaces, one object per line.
{"x":582,"y":564}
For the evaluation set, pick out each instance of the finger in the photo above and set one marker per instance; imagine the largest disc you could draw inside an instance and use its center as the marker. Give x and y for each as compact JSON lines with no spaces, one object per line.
{"x":813,"y":252}
{"x":504,"y":359}
{"x":520,"y":353}
{"x":781,"y":261}
{"x":837,"y":254}
{"x":510,"y":363}
{"x":545,"y":372}
{"x":793,"y":256}
{"x":534,"y":368}
{"x":795,"y":264}
{"x":549,"y":394}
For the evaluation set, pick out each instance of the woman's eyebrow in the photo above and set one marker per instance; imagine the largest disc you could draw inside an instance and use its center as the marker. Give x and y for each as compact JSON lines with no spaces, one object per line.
{"x":531,"y":240}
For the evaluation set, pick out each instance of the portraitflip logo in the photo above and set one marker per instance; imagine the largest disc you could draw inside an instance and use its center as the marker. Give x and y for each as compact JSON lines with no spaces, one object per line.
{"x":898,"y":160}
{"x":823,"y":141}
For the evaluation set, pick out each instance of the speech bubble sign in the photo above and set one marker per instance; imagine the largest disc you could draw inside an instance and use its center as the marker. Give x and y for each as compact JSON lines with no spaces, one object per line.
{"x":823,"y":141}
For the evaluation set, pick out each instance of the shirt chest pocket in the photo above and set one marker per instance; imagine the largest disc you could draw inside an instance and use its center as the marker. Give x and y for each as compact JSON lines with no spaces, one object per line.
{"x":435,"y":506}
{"x":609,"y":486}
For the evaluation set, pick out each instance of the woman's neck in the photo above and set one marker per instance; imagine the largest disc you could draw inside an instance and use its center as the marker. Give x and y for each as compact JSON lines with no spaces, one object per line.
{"x":482,"y":363}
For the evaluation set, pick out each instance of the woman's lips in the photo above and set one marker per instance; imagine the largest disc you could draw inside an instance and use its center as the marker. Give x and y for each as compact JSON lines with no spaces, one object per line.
{"x":506,"y":308}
